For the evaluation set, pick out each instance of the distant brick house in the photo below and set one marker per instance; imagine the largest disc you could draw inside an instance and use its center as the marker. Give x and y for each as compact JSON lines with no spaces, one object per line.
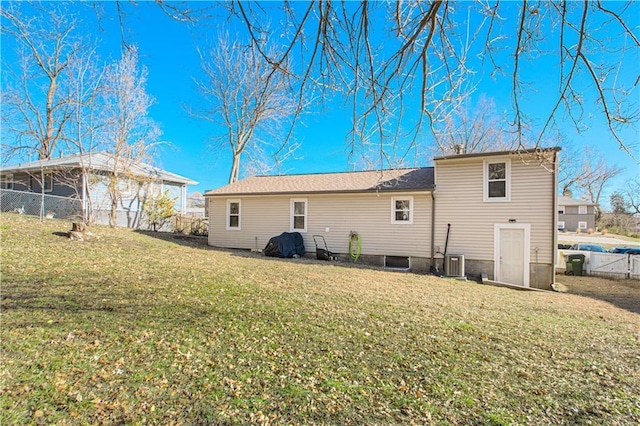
{"x":575,"y":214}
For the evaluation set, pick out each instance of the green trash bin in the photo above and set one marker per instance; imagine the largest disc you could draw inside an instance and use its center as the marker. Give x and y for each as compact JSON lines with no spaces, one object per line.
{"x":575,"y":264}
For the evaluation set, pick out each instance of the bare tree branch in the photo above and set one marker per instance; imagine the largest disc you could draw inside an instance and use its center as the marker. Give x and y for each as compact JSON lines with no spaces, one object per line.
{"x":242,"y":93}
{"x":402,"y":62}
{"x":47,"y":48}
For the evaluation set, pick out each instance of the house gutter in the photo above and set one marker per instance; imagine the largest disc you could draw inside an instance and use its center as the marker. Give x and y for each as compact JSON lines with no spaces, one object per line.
{"x":554,"y":212}
{"x":323,"y":192}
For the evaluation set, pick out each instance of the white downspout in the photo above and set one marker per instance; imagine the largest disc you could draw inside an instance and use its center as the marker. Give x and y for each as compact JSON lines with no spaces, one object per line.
{"x":184,"y":199}
{"x":85,"y":215}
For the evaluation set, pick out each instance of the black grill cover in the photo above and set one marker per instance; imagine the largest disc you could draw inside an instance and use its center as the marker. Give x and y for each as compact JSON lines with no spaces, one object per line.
{"x":286,"y":244}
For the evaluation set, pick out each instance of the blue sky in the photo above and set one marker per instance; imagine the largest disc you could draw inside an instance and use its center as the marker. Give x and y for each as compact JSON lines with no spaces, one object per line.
{"x":168,"y":49}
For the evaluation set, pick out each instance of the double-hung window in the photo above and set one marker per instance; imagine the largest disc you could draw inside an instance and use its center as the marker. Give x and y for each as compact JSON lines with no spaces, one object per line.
{"x":497,"y":184}
{"x":582,"y":209}
{"x":233,"y":215}
{"x":125,"y":186}
{"x":298,"y":215}
{"x":45,"y":186}
{"x":402,"y":210}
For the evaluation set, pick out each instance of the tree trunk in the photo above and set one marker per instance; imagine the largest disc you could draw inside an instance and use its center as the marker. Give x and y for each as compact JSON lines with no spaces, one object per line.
{"x":42,"y":198}
{"x":235,"y":168}
{"x":114,"y":211}
{"x":78,"y":227}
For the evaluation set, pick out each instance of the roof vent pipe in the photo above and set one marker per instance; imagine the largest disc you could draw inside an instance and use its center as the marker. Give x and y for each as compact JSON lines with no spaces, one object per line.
{"x":459,"y":149}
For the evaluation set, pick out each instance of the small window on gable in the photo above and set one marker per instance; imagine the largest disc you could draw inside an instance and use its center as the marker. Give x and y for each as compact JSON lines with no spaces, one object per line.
{"x":233,"y":215}
{"x":560,"y":209}
{"x":582,"y":209}
{"x":497,"y":185}
{"x":582,"y":225}
{"x":402,"y":210}
{"x":298,"y":215}
{"x":34,"y":183}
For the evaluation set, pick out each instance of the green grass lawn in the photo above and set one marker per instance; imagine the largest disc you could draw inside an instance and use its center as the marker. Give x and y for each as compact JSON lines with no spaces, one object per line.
{"x":137,"y":328}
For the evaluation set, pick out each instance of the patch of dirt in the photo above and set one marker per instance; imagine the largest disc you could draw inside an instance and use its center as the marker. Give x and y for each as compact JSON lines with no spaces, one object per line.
{"x":624,"y":294}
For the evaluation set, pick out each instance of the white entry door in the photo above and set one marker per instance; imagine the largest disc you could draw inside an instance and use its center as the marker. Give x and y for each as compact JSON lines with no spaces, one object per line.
{"x":512,"y":254}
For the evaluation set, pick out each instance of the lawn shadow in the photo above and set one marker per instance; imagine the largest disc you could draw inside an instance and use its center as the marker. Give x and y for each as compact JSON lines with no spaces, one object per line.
{"x":624,"y":294}
{"x":181,"y":239}
{"x":42,"y":295}
{"x":342,"y":261}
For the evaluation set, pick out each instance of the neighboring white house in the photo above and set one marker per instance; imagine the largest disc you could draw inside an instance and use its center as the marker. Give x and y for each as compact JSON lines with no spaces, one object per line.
{"x":83,"y":180}
{"x":495,"y":212}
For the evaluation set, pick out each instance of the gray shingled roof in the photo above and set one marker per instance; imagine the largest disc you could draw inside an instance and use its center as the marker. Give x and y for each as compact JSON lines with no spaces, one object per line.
{"x":419,"y":179}
{"x":98,"y":161}
{"x":568,"y":201}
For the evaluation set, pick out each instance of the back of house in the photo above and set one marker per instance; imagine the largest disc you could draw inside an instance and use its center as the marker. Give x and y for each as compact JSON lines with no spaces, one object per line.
{"x":389,"y":211}
{"x":495,"y":213}
{"x":499,"y":210}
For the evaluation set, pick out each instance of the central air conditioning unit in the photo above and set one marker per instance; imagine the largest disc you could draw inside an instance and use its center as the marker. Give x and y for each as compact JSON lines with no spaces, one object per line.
{"x":454,"y":265}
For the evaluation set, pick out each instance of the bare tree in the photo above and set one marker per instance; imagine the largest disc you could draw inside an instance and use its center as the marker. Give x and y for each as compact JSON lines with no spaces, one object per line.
{"x":250,"y":99}
{"x":417,"y":61}
{"x":470,"y":130}
{"x":37,"y":99}
{"x":130,"y":135}
{"x":621,"y":219}
{"x":631,"y":196}
{"x":585,"y":174}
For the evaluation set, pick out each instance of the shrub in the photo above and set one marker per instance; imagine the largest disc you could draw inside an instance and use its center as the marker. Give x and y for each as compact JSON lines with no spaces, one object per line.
{"x":159,"y":209}
{"x":590,"y":231}
{"x":604,"y":231}
{"x":578,"y":231}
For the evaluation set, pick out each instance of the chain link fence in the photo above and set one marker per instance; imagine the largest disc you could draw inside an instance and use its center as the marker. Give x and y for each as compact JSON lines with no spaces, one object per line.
{"x":35,"y":204}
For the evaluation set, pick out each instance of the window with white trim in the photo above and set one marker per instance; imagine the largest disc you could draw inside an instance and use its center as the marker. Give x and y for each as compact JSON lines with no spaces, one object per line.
{"x":561,"y":224}
{"x":560,"y":209}
{"x":497,"y":184}
{"x":155,"y":188}
{"x":125,"y":186}
{"x":233,"y":215}
{"x":34,"y":183}
{"x":582,"y":225}
{"x":298,"y":215}
{"x":402,"y":210}
{"x":7,"y":182}
{"x":582,"y":209}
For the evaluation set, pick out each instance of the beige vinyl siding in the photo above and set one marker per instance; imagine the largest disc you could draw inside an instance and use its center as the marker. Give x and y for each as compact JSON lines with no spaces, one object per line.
{"x":367,"y":214}
{"x":459,"y":201}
